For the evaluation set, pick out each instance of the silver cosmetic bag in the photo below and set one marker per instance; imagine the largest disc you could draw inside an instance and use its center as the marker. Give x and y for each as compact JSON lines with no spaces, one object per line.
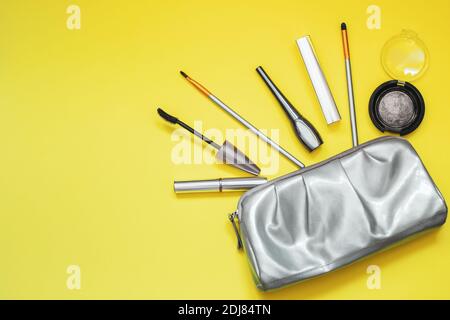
{"x":330,"y":214}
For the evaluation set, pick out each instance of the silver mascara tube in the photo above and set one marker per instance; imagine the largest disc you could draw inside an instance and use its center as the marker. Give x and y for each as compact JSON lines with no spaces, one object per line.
{"x":218,"y":185}
{"x":318,"y":80}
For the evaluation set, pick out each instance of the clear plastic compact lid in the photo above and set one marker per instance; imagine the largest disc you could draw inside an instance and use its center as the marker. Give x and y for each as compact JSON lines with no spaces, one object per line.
{"x":405,"y":57}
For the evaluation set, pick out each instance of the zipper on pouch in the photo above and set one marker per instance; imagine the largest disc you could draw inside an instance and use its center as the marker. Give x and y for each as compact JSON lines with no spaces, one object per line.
{"x":233,"y":216}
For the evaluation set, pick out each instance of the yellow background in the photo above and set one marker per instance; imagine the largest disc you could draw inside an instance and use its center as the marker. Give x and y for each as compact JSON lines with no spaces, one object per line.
{"x":85,"y":164}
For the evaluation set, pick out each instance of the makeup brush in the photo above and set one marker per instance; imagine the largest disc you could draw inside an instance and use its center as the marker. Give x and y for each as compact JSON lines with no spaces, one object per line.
{"x":348,"y":70}
{"x":244,"y":122}
{"x":227,"y":153}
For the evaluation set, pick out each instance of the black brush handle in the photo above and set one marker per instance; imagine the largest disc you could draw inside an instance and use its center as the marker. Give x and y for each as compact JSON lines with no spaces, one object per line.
{"x":304,"y":130}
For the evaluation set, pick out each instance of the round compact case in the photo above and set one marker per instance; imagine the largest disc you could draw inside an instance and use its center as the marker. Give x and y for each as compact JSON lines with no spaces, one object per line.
{"x":397,"y":106}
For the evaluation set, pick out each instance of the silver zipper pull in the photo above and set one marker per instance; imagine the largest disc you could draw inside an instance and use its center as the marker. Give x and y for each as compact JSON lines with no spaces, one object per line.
{"x":232,"y":218}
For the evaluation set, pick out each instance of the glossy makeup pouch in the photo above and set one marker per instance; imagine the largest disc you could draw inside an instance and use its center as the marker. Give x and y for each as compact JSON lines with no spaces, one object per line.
{"x":330,"y":214}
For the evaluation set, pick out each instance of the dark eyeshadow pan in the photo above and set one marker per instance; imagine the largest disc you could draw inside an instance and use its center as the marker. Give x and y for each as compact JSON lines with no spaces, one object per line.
{"x":396,"y":107}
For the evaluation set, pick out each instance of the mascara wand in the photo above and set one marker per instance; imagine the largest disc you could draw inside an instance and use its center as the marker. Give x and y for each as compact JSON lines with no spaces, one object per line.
{"x":175,"y":120}
{"x":227,"y":153}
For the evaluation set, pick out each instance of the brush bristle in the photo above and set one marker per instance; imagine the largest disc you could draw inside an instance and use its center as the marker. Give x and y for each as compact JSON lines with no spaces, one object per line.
{"x":343,"y":26}
{"x":183,"y":74}
{"x":167,"y":116}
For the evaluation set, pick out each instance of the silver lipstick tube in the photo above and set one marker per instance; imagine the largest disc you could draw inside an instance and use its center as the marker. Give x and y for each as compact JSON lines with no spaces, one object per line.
{"x":318,"y":80}
{"x":218,"y":185}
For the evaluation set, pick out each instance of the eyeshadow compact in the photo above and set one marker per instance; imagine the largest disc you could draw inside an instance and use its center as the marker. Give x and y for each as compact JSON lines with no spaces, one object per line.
{"x":397,"y":106}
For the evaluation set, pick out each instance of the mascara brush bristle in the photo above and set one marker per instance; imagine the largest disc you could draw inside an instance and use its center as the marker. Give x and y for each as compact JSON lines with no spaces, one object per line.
{"x":167,"y":116}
